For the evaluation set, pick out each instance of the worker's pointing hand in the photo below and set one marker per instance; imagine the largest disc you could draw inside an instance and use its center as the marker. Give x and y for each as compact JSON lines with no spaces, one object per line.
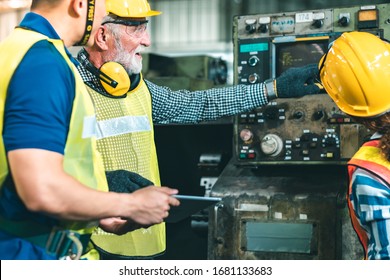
{"x":297,"y":82}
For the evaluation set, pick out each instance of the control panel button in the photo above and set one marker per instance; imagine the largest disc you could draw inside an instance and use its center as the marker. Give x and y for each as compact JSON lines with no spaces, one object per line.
{"x":271,"y":145}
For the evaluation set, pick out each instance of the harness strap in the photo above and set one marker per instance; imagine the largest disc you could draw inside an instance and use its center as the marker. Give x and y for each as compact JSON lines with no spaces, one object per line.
{"x":58,"y":242}
{"x":62,"y":243}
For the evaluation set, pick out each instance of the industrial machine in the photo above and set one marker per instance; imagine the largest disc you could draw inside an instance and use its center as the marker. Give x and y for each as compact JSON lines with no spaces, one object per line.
{"x":194,"y":72}
{"x":284,"y":189}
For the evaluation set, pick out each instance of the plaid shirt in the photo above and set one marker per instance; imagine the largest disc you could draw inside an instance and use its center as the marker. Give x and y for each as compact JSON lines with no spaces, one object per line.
{"x":371,"y":202}
{"x":185,"y":106}
{"x":370,"y":199}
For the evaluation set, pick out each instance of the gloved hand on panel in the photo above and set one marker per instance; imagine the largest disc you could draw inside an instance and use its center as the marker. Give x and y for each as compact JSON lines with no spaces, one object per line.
{"x":298,"y":81}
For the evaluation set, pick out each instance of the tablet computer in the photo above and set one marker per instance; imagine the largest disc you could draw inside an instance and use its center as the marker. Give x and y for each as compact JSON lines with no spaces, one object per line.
{"x":189,"y":205}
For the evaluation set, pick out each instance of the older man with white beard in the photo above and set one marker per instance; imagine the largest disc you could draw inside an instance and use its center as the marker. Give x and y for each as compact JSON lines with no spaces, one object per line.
{"x":127,"y":107}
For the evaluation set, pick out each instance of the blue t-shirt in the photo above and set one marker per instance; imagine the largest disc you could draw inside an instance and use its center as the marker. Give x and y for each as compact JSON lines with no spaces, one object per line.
{"x":40,"y":94}
{"x":37,"y":113}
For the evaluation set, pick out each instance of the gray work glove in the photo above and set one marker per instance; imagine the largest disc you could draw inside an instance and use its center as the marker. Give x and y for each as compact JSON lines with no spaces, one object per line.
{"x":298,"y":81}
{"x":123,"y":181}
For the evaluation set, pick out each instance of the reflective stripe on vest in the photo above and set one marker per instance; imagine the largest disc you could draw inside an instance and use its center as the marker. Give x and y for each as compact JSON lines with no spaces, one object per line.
{"x":129,"y":145}
{"x":121,"y":125}
{"x":81,"y":159}
{"x":369,"y":158}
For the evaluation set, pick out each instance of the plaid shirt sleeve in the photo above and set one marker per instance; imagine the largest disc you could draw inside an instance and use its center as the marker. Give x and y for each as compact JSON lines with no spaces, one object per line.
{"x":371,"y":202}
{"x":185,"y":106}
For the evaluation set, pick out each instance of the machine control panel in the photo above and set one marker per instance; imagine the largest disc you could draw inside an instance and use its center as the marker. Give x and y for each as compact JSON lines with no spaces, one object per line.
{"x":307,"y":129}
{"x":310,"y":129}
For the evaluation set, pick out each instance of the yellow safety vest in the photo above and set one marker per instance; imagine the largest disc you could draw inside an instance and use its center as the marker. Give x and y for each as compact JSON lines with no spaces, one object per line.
{"x":126,"y":141}
{"x":81,"y":158}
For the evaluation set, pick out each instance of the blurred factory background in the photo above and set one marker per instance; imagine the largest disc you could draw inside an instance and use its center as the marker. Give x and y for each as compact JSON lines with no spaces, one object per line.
{"x":193,"y":27}
{"x":192,"y":48}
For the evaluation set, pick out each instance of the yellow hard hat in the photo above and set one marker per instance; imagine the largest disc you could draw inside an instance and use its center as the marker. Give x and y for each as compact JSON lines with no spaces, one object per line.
{"x":130,"y":8}
{"x":356,"y":74}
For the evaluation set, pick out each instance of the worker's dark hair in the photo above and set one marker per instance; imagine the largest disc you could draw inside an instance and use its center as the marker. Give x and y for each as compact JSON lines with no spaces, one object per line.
{"x":380,"y":124}
{"x":37,"y":3}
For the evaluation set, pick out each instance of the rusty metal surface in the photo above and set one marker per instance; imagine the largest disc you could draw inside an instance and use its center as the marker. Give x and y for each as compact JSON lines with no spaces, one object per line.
{"x":292,"y":196}
{"x":289,"y":180}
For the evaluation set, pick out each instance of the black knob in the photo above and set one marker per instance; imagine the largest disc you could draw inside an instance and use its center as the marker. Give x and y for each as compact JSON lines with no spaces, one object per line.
{"x":250,"y":28}
{"x":318,"y":115}
{"x":318,"y":23}
{"x":263,"y":28}
{"x":298,"y":115}
{"x":343,"y":21}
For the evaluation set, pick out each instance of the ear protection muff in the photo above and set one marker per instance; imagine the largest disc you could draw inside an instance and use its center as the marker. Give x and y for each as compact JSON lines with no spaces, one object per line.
{"x":118,"y":82}
{"x":112,"y":75}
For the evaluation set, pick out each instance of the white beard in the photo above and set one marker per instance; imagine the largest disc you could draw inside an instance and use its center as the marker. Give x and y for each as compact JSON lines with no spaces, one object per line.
{"x":131,"y":62}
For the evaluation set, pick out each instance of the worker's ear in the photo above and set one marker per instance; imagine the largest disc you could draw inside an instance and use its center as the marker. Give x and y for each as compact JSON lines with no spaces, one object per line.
{"x":101,"y":38}
{"x":79,"y":7}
